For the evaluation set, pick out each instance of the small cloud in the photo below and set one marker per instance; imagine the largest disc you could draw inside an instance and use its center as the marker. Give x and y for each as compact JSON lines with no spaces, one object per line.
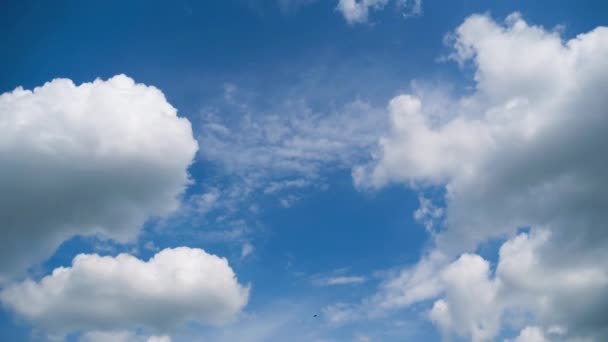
{"x":410,"y":8}
{"x":357,"y":12}
{"x":344,"y":280}
{"x":150,"y":246}
{"x":288,"y":201}
{"x":229,"y":91}
{"x":246,"y":250}
{"x":337,"y":277}
{"x":362,"y":338}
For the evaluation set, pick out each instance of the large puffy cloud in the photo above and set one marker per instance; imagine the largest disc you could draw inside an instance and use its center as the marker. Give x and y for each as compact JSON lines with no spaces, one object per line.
{"x":523,"y":150}
{"x":519,"y":151}
{"x":99,"y":157}
{"x":561,"y":298}
{"x":470,"y":296}
{"x":108,"y":294}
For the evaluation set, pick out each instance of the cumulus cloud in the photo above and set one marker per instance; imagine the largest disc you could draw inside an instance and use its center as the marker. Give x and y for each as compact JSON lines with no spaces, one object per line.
{"x":470,"y":296}
{"x":522,"y":150}
{"x":97,"y":293}
{"x":95,"y":158}
{"x":472,"y":300}
{"x":558,"y":296}
{"x":511,"y":150}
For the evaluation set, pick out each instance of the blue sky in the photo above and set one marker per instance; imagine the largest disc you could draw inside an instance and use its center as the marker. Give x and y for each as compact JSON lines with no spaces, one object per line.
{"x":304,"y":164}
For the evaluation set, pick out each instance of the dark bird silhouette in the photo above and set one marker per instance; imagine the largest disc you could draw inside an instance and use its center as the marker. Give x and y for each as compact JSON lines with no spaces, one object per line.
{"x":315,"y":315}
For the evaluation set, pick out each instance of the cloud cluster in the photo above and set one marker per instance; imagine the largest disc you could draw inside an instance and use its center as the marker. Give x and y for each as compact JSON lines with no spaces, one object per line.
{"x":97,"y":293}
{"x":564,"y":299}
{"x":102,"y":158}
{"x":95,"y":158}
{"x":272,"y":152}
{"x":523,"y":150}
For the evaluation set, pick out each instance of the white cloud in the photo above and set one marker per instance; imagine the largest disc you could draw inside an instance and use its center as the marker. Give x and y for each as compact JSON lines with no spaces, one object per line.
{"x":335,"y":277}
{"x":97,"y":293}
{"x":531,"y":334}
{"x":428,"y":213}
{"x":285,"y":151}
{"x":109,"y":336}
{"x":362,"y":338}
{"x":339,"y":280}
{"x":522,"y":150}
{"x":273,"y":321}
{"x":409,"y":286}
{"x":120,"y":336}
{"x":294,"y":146}
{"x":163,"y":338}
{"x":410,"y":8}
{"x":512,"y":142}
{"x":345,"y":280}
{"x":357,"y":11}
{"x":97,"y":158}
{"x":340,"y":313}
{"x":469,"y":307}
{"x":472,"y":301}
{"x":246,"y":249}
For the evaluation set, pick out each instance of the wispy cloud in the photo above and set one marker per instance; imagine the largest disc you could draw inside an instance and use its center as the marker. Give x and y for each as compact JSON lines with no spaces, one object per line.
{"x":339,"y":276}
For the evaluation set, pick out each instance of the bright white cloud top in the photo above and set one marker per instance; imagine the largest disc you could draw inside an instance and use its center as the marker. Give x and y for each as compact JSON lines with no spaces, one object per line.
{"x":108,"y":295}
{"x":95,"y":158}
{"x":518,"y":152}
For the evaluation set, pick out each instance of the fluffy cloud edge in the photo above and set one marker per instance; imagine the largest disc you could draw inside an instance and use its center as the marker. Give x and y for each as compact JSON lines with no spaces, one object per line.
{"x":105,"y":293}
{"x":114,"y":153}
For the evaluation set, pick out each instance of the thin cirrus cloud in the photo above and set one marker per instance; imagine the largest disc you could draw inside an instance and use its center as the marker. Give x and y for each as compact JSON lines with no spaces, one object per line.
{"x":95,"y":158}
{"x":517,"y":152}
{"x":287,"y":148}
{"x":105,"y":295}
{"x":338,"y":280}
